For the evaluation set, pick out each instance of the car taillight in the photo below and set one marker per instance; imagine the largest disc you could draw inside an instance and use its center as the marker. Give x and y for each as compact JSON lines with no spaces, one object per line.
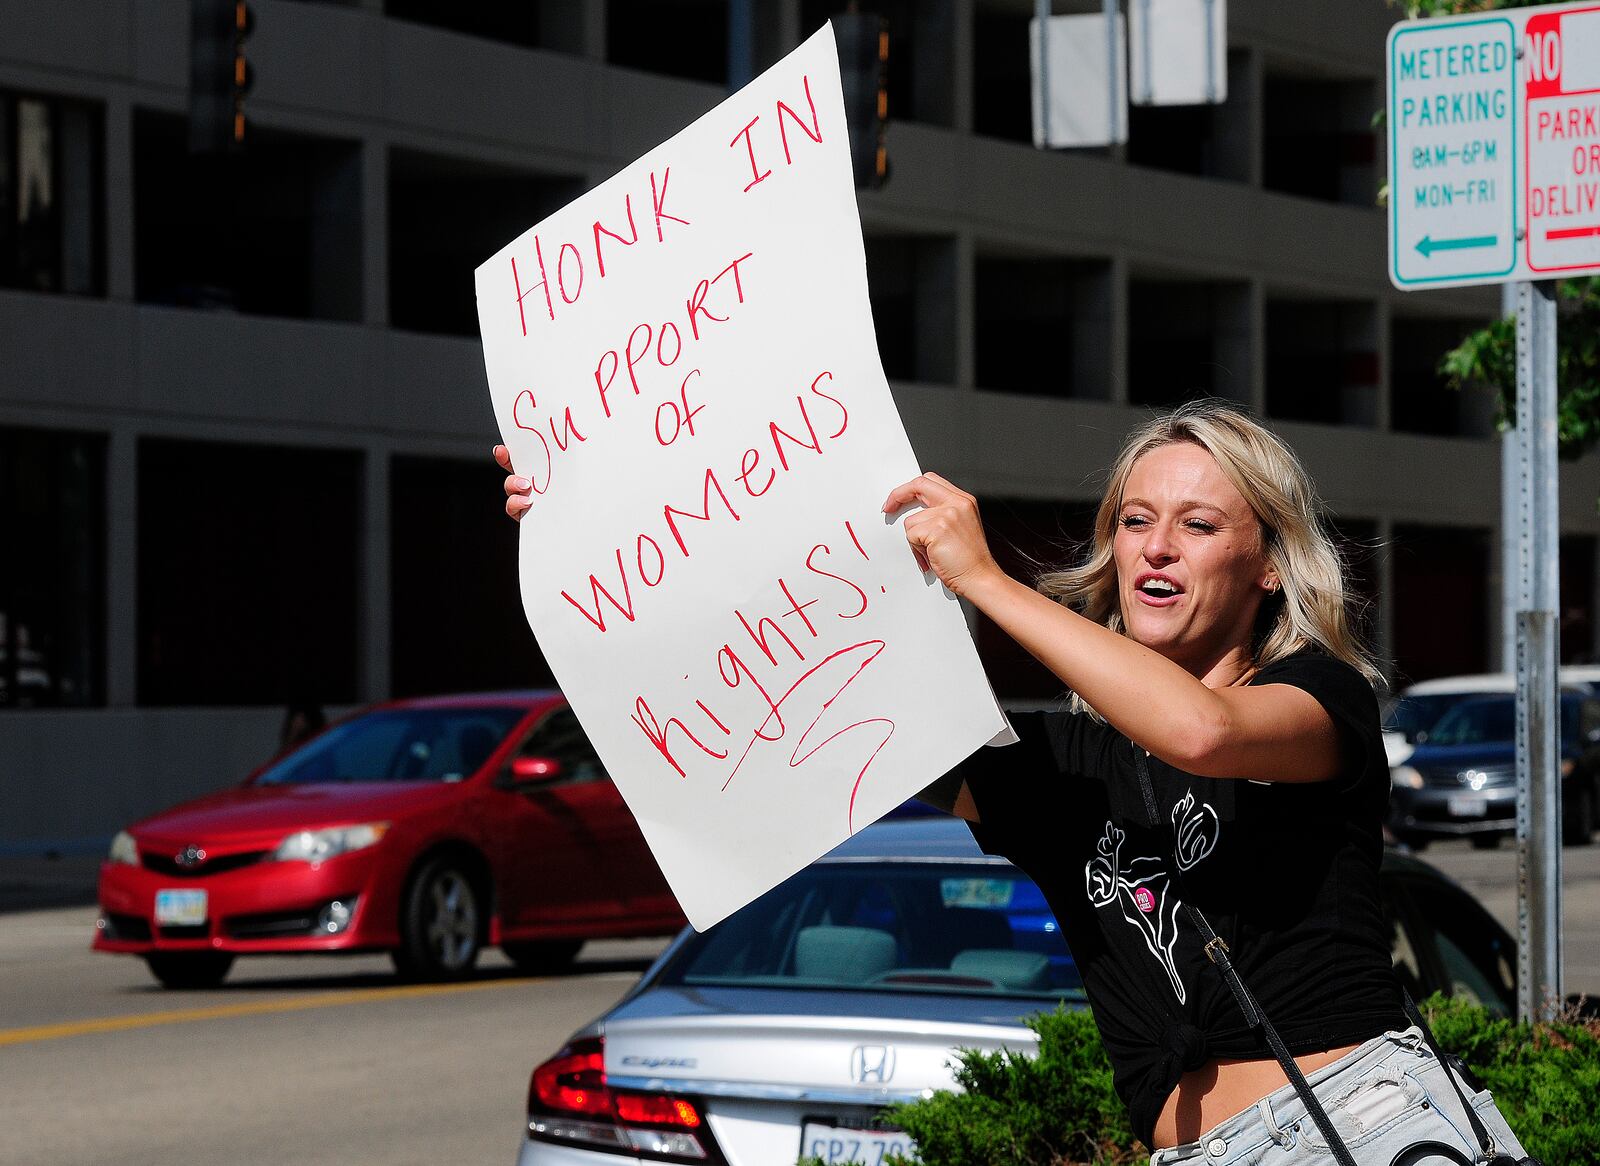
{"x":572,"y":1081}
{"x":570,"y":1102}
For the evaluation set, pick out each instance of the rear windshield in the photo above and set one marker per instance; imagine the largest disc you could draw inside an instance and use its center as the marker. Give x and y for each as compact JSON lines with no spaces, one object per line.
{"x":889,"y":927}
{"x":416,"y":744}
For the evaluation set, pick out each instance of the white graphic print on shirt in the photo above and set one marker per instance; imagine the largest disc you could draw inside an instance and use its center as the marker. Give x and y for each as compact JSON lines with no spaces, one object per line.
{"x":1140,"y":885}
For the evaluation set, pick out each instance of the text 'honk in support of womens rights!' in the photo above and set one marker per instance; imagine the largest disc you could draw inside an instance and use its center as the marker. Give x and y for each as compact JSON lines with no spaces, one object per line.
{"x":683,"y":364}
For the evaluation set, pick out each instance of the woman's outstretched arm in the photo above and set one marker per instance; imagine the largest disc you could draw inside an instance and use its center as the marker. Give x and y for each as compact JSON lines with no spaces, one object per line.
{"x":1271,"y":732}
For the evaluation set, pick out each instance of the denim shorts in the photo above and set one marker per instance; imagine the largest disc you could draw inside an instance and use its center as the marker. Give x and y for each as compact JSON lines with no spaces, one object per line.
{"x":1382,"y":1098}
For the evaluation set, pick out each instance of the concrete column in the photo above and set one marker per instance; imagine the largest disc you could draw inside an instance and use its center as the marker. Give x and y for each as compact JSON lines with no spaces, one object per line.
{"x":119,"y":198}
{"x":786,"y":27}
{"x":1117,"y":388}
{"x":936,"y":64}
{"x":1503,"y":563}
{"x":375,"y":231}
{"x":122,"y":568}
{"x":964,"y":293}
{"x":1384,"y":633}
{"x":376,"y":649}
{"x":1254,"y":347}
{"x":1594,"y":602}
{"x":961,"y":65}
{"x":565,"y":26}
{"x":594,"y":30}
{"x":1253,"y":76}
{"x":937,"y":309}
{"x":1381,"y":318}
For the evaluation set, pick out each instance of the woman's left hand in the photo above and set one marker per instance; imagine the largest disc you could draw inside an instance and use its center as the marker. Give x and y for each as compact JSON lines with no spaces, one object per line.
{"x":946,"y":535}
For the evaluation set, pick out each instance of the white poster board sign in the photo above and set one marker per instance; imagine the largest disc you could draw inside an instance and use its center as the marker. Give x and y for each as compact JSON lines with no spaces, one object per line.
{"x":683,"y":363}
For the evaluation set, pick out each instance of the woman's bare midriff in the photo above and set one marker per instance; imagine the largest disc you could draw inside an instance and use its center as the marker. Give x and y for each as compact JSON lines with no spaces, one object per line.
{"x":1212,"y":1094}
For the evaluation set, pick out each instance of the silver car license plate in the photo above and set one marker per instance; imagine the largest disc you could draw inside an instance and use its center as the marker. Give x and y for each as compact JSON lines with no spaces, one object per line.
{"x":1466,"y":807}
{"x":836,"y":1144}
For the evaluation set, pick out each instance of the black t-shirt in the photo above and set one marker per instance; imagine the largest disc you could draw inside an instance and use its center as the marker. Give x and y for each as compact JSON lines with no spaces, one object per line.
{"x":1286,"y":872}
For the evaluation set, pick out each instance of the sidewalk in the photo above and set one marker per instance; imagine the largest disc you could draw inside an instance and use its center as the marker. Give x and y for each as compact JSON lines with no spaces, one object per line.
{"x":35,"y":884}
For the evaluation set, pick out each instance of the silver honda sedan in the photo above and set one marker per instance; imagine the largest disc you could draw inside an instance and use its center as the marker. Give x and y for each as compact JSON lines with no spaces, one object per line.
{"x":781,"y":1032}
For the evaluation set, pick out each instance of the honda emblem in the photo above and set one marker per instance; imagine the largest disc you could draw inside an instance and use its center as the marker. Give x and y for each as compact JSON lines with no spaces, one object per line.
{"x":871,"y":1064}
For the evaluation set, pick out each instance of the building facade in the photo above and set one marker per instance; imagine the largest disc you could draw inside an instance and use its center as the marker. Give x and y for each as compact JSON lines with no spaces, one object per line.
{"x":244,"y":428}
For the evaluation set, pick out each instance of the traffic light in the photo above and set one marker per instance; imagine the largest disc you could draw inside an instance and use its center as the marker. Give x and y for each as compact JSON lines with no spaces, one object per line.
{"x":219,"y":74}
{"x":863,"y":39}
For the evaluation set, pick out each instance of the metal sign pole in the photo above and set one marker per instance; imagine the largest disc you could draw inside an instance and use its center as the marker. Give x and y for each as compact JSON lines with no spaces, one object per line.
{"x":1041,"y":13}
{"x":1211,"y":51}
{"x":1510,"y":521}
{"x":1147,"y":51}
{"x":1112,"y":92}
{"x":1538,"y":790}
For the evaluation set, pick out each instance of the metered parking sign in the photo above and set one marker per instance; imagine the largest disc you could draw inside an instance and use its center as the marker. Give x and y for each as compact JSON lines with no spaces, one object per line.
{"x":1452,"y":151}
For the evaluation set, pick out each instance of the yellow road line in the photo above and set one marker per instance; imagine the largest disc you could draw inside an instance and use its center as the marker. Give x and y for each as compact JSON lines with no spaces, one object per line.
{"x":44,"y":1032}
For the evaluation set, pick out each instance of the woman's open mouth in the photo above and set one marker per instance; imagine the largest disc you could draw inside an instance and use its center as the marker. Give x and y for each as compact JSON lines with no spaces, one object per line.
{"x":1156,"y":590}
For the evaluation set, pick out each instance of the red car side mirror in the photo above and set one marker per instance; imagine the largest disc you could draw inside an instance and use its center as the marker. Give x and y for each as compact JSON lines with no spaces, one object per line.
{"x":531,"y":770}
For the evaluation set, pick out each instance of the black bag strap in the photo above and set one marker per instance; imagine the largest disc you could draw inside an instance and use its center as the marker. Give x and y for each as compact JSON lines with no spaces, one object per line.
{"x":1216,"y":950}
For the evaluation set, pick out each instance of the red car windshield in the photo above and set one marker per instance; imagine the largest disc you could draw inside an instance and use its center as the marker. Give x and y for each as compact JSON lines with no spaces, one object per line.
{"x":398,"y":744}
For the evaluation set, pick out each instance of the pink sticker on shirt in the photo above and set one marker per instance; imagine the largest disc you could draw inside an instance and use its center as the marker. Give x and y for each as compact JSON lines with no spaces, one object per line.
{"x":1145,"y":900}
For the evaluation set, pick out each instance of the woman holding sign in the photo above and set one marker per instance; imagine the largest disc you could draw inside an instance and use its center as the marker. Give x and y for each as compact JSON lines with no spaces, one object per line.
{"x":1205,"y":817}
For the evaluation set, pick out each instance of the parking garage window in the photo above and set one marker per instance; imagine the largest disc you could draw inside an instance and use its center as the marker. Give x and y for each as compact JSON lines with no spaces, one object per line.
{"x":1317,"y":138}
{"x":1420,"y":398}
{"x":1322,"y":363}
{"x":1579,"y":596}
{"x":1441,"y":581}
{"x":247,"y":592}
{"x":485,"y":207}
{"x":1028,"y":536}
{"x":52,"y":205}
{"x":683,"y":38}
{"x":1187,"y":339}
{"x":911,"y":282}
{"x":1043,"y":326}
{"x":552,"y":24}
{"x":275,"y":230}
{"x":1001,"y":78}
{"x":1209,"y":141}
{"x":52,"y":571}
{"x":455,"y":608}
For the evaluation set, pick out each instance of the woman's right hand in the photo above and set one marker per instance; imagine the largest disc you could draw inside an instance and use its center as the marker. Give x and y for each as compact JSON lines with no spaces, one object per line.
{"x":518,"y":490}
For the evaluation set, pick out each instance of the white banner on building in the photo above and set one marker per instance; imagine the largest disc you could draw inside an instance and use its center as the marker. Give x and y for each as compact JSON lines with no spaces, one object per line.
{"x":1178,"y":51}
{"x":683,"y":363}
{"x":1078,"y":61}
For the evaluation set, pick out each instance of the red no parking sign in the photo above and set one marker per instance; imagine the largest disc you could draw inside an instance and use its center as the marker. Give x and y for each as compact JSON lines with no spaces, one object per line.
{"x":1561,"y":159}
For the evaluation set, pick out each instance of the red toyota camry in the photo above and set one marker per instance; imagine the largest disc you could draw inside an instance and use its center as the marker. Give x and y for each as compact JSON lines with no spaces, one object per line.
{"x":427,"y":828}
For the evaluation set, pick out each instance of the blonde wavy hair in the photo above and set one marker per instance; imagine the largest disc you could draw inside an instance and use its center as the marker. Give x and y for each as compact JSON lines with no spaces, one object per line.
{"x":1311,"y":608}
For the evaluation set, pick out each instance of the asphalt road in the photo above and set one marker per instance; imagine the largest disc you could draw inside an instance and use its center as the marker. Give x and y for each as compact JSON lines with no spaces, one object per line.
{"x":313,"y":1060}
{"x":325,"y":1060}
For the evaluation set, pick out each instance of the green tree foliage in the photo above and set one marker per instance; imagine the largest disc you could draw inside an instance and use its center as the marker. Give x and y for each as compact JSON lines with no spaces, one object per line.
{"x":1488,"y":356}
{"x":1057,"y":1108}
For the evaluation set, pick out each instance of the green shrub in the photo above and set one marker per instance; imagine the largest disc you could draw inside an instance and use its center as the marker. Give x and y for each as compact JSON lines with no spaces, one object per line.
{"x":1023,"y":1109}
{"x":1057,"y":1108}
{"x":1546,"y":1080}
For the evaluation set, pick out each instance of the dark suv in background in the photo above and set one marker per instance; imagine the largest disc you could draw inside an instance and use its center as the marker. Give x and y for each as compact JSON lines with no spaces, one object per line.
{"x":1462,"y":778}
